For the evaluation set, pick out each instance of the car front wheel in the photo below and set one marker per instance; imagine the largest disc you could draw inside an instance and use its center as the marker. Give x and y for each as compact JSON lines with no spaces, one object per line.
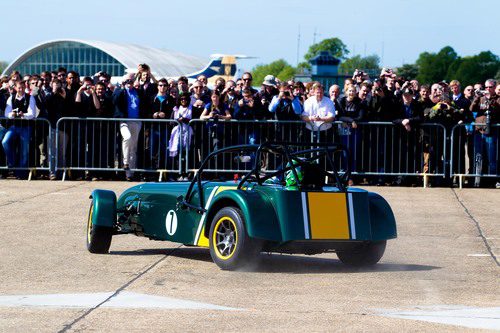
{"x":98,"y":237}
{"x":368,"y":254}
{"x":230,"y":246}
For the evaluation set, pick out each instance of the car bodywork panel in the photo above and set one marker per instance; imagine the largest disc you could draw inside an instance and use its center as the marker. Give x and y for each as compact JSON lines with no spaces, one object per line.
{"x":271,"y":213}
{"x":104,"y":202}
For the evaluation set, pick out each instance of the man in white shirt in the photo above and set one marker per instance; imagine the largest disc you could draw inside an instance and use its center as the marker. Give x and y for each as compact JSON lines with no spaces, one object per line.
{"x":319,"y":113}
{"x":19,"y":106}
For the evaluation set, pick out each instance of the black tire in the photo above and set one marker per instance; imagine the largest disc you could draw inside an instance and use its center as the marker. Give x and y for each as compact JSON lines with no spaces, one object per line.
{"x":367,"y":255}
{"x":98,"y":237}
{"x":230,"y":246}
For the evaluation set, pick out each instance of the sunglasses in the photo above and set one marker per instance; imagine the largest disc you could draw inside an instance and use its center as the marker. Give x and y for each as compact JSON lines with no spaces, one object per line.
{"x":247,"y":79}
{"x":488,"y":87}
{"x":162,"y":85}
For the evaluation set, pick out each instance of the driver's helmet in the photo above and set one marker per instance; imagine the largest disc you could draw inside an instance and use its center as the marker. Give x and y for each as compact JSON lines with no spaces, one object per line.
{"x":290,"y":180}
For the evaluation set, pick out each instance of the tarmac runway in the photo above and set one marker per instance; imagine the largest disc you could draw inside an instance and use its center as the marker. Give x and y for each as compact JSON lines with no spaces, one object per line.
{"x":442,"y":273}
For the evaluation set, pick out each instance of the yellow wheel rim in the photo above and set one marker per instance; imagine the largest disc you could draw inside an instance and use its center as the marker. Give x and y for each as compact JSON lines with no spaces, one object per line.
{"x":89,"y":223}
{"x":225,"y":238}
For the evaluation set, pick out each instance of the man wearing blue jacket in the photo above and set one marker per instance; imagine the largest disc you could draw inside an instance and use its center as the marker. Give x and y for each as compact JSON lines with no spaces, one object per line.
{"x":127,"y":102}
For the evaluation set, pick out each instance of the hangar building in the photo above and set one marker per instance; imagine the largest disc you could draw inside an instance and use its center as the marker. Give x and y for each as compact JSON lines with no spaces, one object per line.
{"x":88,"y":57}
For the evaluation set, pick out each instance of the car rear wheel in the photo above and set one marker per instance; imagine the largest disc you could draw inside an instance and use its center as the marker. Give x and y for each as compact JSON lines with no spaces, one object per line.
{"x":230,"y":246}
{"x":98,"y":237}
{"x":368,"y":254}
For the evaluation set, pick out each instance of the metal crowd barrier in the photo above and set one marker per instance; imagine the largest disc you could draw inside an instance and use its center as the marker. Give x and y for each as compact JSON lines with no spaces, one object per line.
{"x":29,"y":136}
{"x":387,"y":149}
{"x":376,"y":148}
{"x":97,"y":145}
{"x":475,"y":152}
{"x":210,"y":135}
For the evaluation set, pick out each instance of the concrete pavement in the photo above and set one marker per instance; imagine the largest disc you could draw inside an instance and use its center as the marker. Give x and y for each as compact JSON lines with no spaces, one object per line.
{"x":446,"y":254}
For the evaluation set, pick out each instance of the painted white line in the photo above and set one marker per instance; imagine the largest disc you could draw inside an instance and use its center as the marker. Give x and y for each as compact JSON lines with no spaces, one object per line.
{"x":478,"y":255}
{"x":136,"y":300}
{"x":124,"y":300}
{"x":471,"y":317}
{"x":202,"y":220}
{"x":55,"y":300}
{"x":351,"y":215}
{"x":305,"y":217}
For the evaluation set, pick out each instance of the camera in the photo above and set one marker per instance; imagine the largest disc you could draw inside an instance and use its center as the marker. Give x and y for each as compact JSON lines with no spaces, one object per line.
{"x":358,"y":73}
{"x":15,"y":112}
{"x":215,"y":116}
{"x":479,"y":92}
{"x":286,"y":93}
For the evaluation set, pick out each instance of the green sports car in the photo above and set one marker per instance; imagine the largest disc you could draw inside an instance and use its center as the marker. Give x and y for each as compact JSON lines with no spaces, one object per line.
{"x":302,"y":206}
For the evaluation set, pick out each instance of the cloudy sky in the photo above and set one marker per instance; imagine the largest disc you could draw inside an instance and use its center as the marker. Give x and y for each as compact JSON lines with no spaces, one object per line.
{"x":397,"y":31}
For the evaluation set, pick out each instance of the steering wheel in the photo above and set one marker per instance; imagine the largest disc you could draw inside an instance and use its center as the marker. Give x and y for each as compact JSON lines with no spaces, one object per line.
{"x":344,"y":178}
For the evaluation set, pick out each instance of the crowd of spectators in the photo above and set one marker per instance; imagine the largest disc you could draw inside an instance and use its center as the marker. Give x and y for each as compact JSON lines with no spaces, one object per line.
{"x":387,"y":98}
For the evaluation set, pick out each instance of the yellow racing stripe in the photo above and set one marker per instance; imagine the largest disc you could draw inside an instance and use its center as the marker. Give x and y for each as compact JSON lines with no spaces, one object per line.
{"x":203,"y":240}
{"x":225,"y":188}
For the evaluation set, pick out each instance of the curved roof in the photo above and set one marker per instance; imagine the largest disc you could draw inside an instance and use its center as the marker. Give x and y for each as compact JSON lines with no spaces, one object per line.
{"x":163,"y":63}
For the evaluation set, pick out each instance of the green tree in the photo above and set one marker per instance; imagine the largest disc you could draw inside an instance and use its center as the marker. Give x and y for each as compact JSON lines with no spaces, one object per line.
{"x":408,"y":71}
{"x":3,"y":65}
{"x":279,"y":68}
{"x":336,"y":47}
{"x":433,"y":67}
{"x":370,"y":64}
{"x":473,"y":69}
